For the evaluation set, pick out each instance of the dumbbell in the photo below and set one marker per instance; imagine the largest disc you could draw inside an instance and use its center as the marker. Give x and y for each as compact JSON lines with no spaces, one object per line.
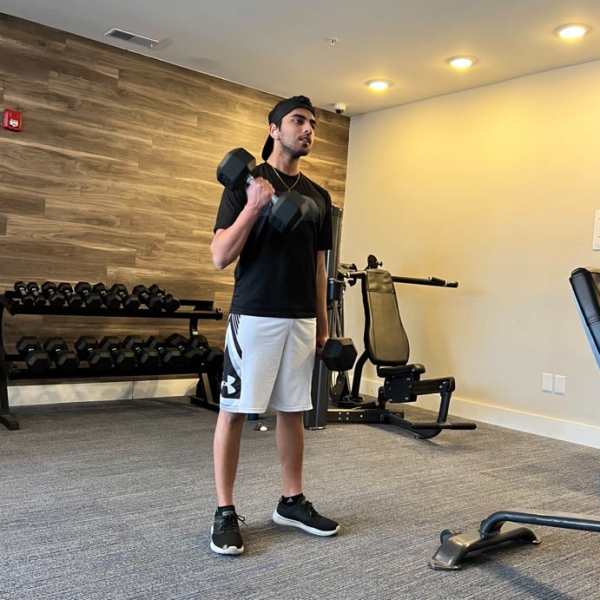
{"x":123,"y":358}
{"x":87,"y":349}
{"x":198,"y":341}
{"x":61,"y":356}
{"x":154,"y":303}
{"x":339,"y":354}
{"x":169,"y":302}
{"x":213,"y":360}
{"x":51,"y":293}
{"x":193,"y":355}
{"x":147,"y":358}
{"x":289,"y":208}
{"x":35,"y":358}
{"x":91,"y":299}
{"x":38,"y":299}
{"x":171,"y":358}
{"x":212,"y":357}
{"x":130,"y":302}
{"x":23,"y":293}
{"x":110,"y":300}
{"x":73,"y":300}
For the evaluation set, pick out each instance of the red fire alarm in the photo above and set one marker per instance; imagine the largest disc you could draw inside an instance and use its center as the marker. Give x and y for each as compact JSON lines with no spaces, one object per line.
{"x":12,"y":120}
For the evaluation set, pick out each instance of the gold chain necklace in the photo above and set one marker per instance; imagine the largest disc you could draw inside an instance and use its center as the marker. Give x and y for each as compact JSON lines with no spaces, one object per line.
{"x":289,"y":188}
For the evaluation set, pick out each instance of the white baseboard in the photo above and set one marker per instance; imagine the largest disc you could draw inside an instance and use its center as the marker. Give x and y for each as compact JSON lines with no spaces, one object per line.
{"x":30,"y":395}
{"x":510,"y":418}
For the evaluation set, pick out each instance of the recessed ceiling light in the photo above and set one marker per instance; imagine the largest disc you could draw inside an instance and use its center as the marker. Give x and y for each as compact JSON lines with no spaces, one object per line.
{"x":572,"y":31}
{"x":461,"y":63}
{"x":379,"y":85}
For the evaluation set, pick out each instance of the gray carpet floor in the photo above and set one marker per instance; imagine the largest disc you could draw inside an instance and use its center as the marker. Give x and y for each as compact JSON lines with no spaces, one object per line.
{"x":115,"y":501}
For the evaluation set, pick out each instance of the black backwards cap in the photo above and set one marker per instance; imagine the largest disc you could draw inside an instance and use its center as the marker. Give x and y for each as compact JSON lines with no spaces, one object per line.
{"x":279,"y":111}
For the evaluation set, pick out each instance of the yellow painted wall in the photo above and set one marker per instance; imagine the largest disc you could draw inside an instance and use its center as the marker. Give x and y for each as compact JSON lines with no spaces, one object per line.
{"x":495,"y":187}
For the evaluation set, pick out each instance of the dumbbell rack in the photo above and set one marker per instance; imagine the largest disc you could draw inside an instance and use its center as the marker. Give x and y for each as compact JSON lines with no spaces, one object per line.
{"x":9,"y":303}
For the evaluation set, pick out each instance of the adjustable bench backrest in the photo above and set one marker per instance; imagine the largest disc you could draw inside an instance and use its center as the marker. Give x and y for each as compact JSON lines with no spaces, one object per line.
{"x":586,"y":286}
{"x":386,"y":342}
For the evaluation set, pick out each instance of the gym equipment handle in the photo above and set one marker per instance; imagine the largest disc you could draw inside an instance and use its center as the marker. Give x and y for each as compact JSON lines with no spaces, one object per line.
{"x":352,"y":276}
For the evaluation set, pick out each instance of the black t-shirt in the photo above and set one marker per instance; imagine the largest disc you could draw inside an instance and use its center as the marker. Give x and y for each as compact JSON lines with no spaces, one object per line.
{"x":276,"y":273}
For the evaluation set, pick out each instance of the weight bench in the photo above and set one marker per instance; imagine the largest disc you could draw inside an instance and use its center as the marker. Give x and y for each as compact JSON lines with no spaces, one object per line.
{"x":457,"y":546}
{"x":387,"y":347}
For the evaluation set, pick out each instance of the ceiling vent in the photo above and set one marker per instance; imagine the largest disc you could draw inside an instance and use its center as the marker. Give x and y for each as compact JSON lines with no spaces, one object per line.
{"x":131,"y":38}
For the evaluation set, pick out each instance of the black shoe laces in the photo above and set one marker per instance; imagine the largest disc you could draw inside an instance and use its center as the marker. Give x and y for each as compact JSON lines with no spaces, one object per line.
{"x":230,"y":521}
{"x":310,"y":509}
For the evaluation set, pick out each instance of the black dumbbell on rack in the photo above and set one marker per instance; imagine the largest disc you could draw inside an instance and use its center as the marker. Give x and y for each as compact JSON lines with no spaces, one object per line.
{"x":154,"y":303}
{"x":88,"y":350}
{"x":169,"y":302}
{"x":73,"y":300}
{"x":171,"y":358}
{"x":30,"y":349}
{"x":24,"y":295}
{"x":92,"y":299}
{"x":147,"y":359}
{"x":51,"y":293}
{"x":62,"y":357}
{"x":123,"y":358}
{"x":211,"y":358}
{"x":192,"y":355}
{"x":110,"y":300}
{"x":38,"y":300}
{"x":130,"y":302}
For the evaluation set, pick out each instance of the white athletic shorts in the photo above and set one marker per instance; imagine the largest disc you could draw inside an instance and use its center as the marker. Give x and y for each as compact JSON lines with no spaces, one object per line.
{"x":268,"y":364}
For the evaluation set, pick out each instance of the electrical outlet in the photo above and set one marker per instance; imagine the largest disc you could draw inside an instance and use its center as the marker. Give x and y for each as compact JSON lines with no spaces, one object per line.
{"x":560,"y":385}
{"x":547,"y":382}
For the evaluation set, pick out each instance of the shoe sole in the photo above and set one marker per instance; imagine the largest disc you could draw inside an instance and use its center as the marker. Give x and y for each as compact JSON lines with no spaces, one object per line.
{"x":277,"y":518}
{"x":231,"y":550}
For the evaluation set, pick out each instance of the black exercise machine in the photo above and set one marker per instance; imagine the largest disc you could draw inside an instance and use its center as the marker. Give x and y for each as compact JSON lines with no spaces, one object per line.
{"x":387,"y":347}
{"x":457,"y":546}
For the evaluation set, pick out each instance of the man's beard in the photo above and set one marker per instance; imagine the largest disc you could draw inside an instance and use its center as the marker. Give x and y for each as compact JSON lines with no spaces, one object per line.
{"x":295,"y":153}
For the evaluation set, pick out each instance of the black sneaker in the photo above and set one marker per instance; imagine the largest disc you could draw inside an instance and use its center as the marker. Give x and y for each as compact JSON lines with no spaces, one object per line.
{"x":225,"y":536}
{"x":303,"y":515}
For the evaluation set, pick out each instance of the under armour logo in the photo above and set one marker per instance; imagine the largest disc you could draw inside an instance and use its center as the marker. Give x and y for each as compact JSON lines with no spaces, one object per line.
{"x":229,"y":385}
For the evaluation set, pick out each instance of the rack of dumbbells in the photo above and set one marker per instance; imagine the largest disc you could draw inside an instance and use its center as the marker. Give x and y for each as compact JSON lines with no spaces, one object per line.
{"x":110,"y":357}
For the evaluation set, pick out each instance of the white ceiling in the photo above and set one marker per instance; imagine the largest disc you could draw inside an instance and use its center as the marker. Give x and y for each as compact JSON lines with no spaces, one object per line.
{"x":281,"y":47}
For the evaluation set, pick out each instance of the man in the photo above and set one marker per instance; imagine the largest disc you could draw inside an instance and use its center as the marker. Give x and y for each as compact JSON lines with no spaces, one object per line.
{"x":277,"y":320}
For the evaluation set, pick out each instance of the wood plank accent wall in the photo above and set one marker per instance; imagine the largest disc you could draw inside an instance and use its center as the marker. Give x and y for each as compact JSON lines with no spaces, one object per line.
{"x":113,"y":177}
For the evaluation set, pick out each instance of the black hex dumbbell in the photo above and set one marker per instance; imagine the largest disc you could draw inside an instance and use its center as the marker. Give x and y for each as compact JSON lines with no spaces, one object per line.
{"x":339,"y":354}
{"x":123,"y":358}
{"x":87,"y":349}
{"x":212,"y":358}
{"x":110,"y":300}
{"x":154,"y":303}
{"x":62,"y":357}
{"x":24,"y":295}
{"x":38,"y":300}
{"x":169,"y":302}
{"x":288,"y":209}
{"x":198,"y":341}
{"x":130,"y":302}
{"x":73,"y":300}
{"x":91,"y":299}
{"x":51,"y":293}
{"x":170,"y":358}
{"x":193,"y":356}
{"x":147,"y":358}
{"x":35,"y":358}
